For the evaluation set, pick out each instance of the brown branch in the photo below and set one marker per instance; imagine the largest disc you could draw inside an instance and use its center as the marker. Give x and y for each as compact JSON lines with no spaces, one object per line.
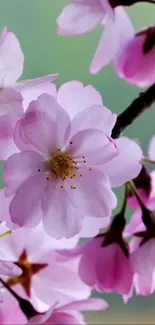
{"x":137,"y":107}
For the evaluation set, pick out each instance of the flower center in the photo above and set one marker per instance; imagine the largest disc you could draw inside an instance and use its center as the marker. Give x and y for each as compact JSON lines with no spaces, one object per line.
{"x":62,"y":165}
{"x":28,"y":270}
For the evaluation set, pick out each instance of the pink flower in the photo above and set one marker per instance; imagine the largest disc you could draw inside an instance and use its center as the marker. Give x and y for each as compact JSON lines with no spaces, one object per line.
{"x":109,"y":270}
{"x":86,"y":110}
{"x":105,"y":260}
{"x":74,"y":166}
{"x":15,"y":95}
{"x":82,"y":16}
{"x":142,"y":253}
{"x":145,"y":182}
{"x":62,"y":167}
{"x":45,"y":279}
{"x":135,"y":61}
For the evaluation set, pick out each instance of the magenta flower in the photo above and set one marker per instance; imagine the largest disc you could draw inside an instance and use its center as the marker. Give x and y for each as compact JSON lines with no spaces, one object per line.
{"x":135,"y":61}
{"x":82,"y":16}
{"x":142,"y":252}
{"x":14,"y":96}
{"x":145,"y":182}
{"x":45,"y":279}
{"x":109,"y":270}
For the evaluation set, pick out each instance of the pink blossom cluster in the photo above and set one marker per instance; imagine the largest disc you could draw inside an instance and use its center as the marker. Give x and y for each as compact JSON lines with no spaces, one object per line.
{"x":61,"y":164}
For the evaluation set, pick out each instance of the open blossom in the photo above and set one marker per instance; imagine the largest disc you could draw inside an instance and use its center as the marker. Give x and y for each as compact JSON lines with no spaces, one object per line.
{"x":45,"y":279}
{"x":14,"y":96}
{"x":80,"y":17}
{"x":135,"y":60}
{"x":72,"y":161}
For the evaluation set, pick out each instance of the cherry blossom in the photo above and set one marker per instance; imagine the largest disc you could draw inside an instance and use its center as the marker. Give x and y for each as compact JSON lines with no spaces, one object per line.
{"x":45,"y":279}
{"x":135,"y":61}
{"x":82,"y":16}
{"x":66,"y":167}
{"x":142,"y":249}
{"x":105,"y":263}
{"x":145,"y":182}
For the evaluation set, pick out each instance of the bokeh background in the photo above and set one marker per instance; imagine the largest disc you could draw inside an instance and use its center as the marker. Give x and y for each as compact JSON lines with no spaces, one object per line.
{"x":34,"y":23}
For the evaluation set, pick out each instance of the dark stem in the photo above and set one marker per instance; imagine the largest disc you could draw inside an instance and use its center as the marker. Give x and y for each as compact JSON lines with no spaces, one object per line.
{"x":137,"y":107}
{"x":25,"y":305}
{"x":146,"y":213}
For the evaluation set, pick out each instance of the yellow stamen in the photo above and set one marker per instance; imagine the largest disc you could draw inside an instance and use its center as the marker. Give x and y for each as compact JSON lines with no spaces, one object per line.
{"x":9,"y":232}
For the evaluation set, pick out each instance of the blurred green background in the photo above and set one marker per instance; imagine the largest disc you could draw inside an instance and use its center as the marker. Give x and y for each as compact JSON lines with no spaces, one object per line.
{"x":34,"y":23}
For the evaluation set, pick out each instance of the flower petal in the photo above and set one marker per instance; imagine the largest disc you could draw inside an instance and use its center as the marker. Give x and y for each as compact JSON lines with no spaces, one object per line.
{"x":114,"y":34}
{"x":113,"y":270}
{"x":25,"y":208}
{"x":31,"y":89}
{"x":60,"y":220}
{"x":96,"y":117}
{"x":11,"y":103}
{"x":87,"y":305}
{"x":9,"y":269}
{"x":94,"y":146}
{"x":19,"y":167}
{"x":11,"y":59}
{"x":7,"y":145}
{"x":151,"y":150}
{"x":78,"y":19}
{"x":87,"y":265}
{"x":46,"y":125}
{"x":126,"y":165}
{"x":74,"y":97}
{"x":92,"y":194}
{"x":92,"y":226}
{"x":5,"y":214}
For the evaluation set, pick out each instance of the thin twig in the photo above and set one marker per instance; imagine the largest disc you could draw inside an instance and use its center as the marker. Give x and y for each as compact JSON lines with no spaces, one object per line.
{"x":137,"y":107}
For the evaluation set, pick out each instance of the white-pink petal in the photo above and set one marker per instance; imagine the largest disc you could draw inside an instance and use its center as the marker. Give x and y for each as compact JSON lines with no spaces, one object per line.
{"x":97,"y":117}
{"x":127,"y":164}
{"x":116,"y":33}
{"x":60,"y":219}
{"x":11,"y":59}
{"x":151,"y":149}
{"x":25,"y":207}
{"x":19,"y":167}
{"x":78,"y":19}
{"x":31,"y":89}
{"x":74,"y":97}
